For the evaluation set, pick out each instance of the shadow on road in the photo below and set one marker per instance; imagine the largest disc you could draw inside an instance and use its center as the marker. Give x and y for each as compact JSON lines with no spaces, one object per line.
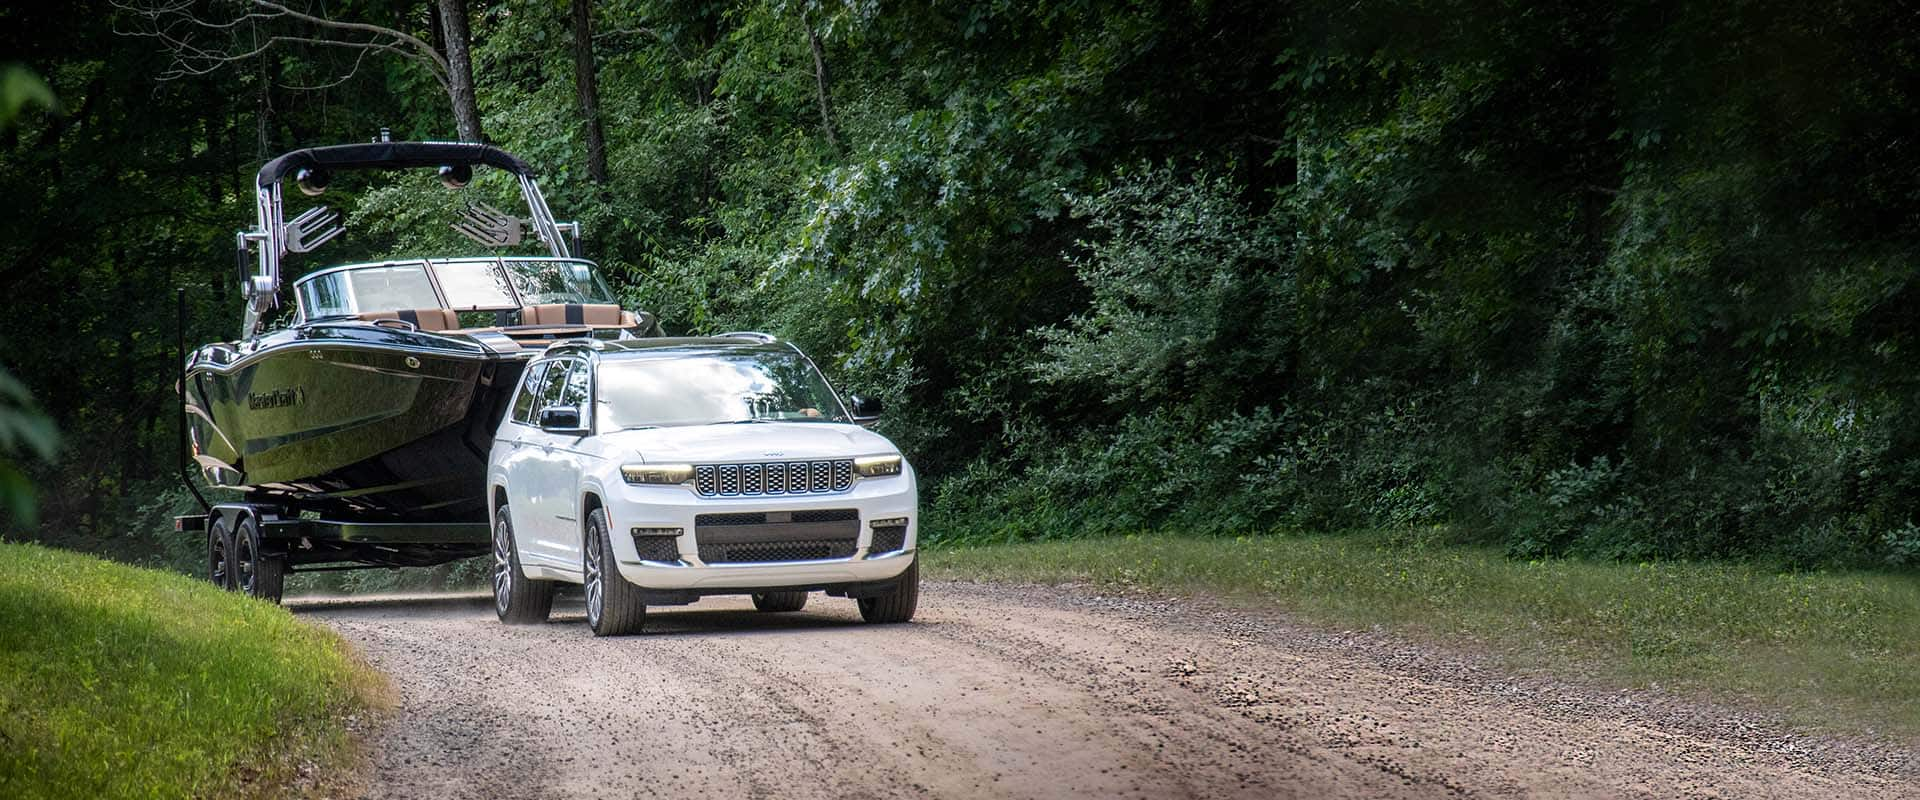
{"x":390,"y":601}
{"x":724,"y":615}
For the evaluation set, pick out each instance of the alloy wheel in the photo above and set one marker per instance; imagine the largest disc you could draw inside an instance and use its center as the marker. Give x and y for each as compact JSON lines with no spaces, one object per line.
{"x":596,"y":587}
{"x":502,"y":565}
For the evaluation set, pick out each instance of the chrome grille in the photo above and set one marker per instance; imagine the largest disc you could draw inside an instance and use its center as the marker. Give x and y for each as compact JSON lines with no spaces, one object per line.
{"x":788,"y":478}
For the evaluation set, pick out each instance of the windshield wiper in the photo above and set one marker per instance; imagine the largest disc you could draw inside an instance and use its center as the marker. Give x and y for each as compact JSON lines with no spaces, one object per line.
{"x":739,"y":422}
{"x":640,"y":428}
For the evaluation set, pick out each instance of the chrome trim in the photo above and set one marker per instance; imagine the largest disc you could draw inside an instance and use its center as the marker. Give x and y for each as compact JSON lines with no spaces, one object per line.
{"x":481,"y":354}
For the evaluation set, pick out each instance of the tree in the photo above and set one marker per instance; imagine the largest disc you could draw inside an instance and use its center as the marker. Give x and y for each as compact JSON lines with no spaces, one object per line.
{"x":201,"y":45}
{"x":586,"y":85}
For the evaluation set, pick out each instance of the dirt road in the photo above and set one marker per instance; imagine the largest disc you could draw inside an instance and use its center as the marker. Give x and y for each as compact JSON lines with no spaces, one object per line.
{"x":1025,"y":692}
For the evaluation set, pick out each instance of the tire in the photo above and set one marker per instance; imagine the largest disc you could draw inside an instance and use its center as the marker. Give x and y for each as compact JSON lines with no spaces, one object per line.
{"x":256,"y":574}
{"x":780,"y":601}
{"x":898,"y":604}
{"x":219,"y":553}
{"x":614,"y":606}
{"x":517,"y":599}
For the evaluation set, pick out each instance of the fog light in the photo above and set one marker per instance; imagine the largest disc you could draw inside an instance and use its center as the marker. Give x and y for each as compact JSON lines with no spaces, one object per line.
{"x":890,"y":522}
{"x":657,"y":531}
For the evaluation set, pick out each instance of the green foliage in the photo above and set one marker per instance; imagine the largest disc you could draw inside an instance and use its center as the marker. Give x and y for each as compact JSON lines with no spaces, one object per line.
{"x":1620,"y":280}
{"x":124,"y":682}
{"x":24,"y":430}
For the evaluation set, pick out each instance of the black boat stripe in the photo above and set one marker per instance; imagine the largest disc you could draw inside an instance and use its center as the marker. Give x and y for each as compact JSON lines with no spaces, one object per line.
{"x":410,"y":315}
{"x":576,"y":314}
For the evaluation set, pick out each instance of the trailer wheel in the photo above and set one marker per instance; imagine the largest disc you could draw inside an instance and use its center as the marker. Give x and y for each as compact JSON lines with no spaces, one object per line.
{"x":517,"y":599}
{"x":614,"y":606}
{"x":256,"y":574}
{"x":219,"y":553}
{"x":780,"y":601}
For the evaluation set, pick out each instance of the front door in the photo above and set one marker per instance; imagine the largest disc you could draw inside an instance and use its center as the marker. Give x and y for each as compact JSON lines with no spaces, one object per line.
{"x":540,"y":477}
{"x":561,"y":463}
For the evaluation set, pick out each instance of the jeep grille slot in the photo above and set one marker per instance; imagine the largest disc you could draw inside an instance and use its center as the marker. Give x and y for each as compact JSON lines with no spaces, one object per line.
{"x":779,"y":478}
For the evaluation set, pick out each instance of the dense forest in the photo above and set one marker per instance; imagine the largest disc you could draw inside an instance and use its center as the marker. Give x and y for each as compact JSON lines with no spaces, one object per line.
{"x":1625,"y":280}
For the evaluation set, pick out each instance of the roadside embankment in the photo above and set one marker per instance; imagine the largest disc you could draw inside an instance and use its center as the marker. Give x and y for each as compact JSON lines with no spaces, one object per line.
{"x":117,"y":681}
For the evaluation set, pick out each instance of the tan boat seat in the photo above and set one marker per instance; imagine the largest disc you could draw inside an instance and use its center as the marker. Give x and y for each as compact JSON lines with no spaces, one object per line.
{"x":598,"y":315}
{"x":426,"y":319}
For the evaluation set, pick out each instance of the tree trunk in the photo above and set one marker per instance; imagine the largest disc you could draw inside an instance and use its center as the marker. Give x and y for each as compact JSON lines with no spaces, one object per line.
{"x":821,"y":80}
{"x":466,"y":107}
{"x":587,"y":87}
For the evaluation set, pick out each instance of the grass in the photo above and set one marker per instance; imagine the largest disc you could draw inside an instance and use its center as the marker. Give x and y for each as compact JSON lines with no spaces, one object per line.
{"x":1833,"y":651}
{"x":122,"y":682}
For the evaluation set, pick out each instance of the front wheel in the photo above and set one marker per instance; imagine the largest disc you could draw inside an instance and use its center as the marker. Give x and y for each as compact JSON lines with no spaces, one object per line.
{"x":898,"y":604}
{"x":614,"y":606}
{"x":517,"y":599}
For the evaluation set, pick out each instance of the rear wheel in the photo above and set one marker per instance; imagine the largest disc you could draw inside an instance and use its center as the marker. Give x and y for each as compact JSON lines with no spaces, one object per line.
{"x":219,"y":553}
{"x":780,"y":601}
{"x":614,"y":606}
{"x":898,"y":604}
{"x":255,"y":573}
{"x":517,"y":599}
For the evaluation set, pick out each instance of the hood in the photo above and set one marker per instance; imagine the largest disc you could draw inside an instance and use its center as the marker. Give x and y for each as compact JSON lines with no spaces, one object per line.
{"x":769,"y":441}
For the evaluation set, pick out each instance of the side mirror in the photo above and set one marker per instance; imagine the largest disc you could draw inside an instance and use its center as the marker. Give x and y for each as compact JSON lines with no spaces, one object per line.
{"x":866,"y":409}
{"x":560,"y":419}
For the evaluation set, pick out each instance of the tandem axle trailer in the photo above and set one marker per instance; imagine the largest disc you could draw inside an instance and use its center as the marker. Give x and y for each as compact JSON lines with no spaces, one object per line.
{"x":252,"y":548}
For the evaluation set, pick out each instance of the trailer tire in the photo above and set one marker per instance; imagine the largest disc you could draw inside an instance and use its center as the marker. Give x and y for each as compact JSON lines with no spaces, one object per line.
{"x":517,"y":599}
{"x":219,"y":553}
{"x":614,"y":606}
{"x":898,"y":604}
{"x":772,"y":602}
{"x":259,"y":575}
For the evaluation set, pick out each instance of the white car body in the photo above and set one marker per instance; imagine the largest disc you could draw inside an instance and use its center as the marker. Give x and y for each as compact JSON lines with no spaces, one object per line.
{"x":549,"y":481}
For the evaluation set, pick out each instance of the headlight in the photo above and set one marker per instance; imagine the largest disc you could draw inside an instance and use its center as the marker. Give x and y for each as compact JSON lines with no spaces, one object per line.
{"x":876,"y":466}
{"x":657,"y":473}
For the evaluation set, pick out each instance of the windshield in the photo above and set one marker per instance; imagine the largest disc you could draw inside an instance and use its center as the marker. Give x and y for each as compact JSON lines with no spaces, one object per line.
{"x":543,"y":281}
{"x":473,"y":284}
{"x":708,"y":389}
{"x":469,"y":284}
{"x":397,"y":286}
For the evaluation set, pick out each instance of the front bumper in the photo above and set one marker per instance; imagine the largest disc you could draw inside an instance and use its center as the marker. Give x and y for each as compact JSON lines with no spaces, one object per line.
{"x":655,"y":507}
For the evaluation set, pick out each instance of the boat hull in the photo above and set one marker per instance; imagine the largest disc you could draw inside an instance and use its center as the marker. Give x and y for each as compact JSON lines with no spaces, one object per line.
{"x":351,"y":421}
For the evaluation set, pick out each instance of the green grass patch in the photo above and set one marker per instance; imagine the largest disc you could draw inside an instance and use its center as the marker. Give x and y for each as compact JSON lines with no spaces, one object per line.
{"x":1834,"y":650}
{"x":117,"y":681}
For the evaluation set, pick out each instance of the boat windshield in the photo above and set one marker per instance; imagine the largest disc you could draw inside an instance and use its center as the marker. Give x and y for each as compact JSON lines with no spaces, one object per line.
{"x":757,"y":386}
{"x":479,"y":284}
{"x":553,"y":281}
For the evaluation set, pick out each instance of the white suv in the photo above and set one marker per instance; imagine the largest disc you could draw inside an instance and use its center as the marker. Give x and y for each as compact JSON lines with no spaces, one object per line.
{"x":657,"y":471}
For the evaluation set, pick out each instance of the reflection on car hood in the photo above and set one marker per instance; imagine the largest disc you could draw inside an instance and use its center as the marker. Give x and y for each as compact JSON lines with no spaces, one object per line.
{"x":771,"y":441}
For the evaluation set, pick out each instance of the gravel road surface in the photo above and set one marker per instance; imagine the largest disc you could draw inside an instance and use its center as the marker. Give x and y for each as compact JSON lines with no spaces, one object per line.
{"x":1017,"y":692}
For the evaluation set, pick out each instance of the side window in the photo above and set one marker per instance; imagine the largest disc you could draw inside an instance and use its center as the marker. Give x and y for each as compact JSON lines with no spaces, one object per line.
{"x":523,"y":402}
{"x":551,"y":384}
{"x":575,"y":393}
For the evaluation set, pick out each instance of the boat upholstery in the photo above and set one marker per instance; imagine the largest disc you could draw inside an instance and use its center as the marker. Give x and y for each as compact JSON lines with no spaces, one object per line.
{"x":426,"y":319}
{"x":598,"y":315}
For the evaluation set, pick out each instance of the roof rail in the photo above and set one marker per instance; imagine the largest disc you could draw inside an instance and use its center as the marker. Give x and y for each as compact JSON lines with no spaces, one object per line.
{"x":754,"y":336}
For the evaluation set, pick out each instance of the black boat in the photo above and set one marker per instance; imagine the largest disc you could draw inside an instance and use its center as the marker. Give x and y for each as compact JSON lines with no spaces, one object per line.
{"x":358,"y":429}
